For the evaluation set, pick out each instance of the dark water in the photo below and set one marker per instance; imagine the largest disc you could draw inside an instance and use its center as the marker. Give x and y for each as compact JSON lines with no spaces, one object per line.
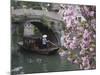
{"x":26,"y":62}
{"x":23,"y":62}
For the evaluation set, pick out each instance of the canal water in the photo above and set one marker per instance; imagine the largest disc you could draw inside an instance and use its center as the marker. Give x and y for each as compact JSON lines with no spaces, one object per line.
{"x":24,"y":62}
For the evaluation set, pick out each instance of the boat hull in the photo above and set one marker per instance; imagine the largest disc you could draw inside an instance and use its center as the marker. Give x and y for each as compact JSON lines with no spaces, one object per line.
{"x":46,"y":51}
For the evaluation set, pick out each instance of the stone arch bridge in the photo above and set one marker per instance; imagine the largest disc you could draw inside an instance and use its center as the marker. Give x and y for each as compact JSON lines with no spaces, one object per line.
{"x":47,"y":22}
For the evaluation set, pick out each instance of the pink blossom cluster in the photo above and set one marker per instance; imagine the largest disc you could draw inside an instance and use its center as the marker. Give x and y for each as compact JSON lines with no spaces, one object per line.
{"x":85,"y":40}
{"x":80,"y":28}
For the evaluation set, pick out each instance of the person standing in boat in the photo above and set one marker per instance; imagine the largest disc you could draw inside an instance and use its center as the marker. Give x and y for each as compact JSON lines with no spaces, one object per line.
{"x":44,"y":41}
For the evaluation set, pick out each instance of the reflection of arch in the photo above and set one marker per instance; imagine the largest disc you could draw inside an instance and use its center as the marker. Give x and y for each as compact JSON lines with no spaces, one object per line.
{"x":44,"y":29}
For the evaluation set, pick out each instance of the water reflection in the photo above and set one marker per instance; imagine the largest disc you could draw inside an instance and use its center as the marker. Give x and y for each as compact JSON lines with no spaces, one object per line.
{"x":38,"y":60}
{"x":17,"y":68}
{"x":27,"y":62}
{"x":45,"y":68}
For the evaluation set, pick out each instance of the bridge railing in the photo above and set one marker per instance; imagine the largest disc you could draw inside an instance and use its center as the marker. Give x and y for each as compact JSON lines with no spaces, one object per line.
{"x":36,"y":13}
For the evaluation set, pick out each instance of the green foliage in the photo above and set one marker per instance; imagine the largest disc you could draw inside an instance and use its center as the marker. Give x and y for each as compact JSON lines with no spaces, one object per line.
{"x":20,"y":4}
{"x":36,"y":31}
{"x":45,"y":20}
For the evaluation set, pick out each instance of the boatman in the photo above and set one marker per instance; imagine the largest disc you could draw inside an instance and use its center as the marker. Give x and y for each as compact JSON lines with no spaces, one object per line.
{"x":44,"y":41}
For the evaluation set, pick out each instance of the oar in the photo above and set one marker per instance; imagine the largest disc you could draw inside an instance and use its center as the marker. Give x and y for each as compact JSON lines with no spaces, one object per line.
{"x":55,"y":45}
{"x":52,"y":43}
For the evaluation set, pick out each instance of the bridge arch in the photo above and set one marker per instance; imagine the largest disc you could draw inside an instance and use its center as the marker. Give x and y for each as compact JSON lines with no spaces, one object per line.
{"x":45,"y":29}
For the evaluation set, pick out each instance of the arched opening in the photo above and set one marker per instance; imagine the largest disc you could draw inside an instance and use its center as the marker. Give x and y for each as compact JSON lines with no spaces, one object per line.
{"x":44,"y":29}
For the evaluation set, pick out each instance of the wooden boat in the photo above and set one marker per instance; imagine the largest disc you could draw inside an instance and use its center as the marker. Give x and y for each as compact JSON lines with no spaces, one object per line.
{"x":46,"y":51}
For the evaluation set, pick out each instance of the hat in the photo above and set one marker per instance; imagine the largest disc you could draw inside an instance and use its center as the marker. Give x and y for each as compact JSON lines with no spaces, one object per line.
{"x":44,"y":36}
